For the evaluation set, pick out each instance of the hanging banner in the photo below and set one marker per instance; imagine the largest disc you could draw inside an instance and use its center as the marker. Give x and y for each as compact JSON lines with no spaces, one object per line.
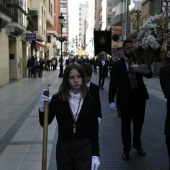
{"x":102,"y":41}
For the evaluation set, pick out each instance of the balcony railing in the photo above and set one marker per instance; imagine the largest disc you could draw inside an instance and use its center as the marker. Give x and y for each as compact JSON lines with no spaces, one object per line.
{"x":4,"y":10}
{"x":18,"y":14}
{"x":16,"y":5}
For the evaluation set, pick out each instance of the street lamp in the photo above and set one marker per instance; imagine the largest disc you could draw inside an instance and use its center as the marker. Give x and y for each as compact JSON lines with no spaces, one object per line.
{"x":65,"y":49}
{"x":138,"y":9}
{"x":61,"y":20}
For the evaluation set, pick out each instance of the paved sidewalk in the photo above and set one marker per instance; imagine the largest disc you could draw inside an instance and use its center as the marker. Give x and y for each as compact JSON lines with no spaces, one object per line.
{"x":21,"y":134}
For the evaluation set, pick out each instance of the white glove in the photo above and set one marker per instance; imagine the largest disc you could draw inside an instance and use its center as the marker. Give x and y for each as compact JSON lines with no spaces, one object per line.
{"x":112,"y":106}
{"x":143,"y":69}
{"x":43,"y":98}
{"x":95,"y":163}
{"x":99,"y":120}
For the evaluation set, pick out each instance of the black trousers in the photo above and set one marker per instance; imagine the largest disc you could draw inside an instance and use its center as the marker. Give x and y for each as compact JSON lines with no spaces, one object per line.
{"x":74,"y":155}
{"x":29,"y":72}
{"x":117,"y":105}
{"x":134,"y":111}
{"x":101,"y":80}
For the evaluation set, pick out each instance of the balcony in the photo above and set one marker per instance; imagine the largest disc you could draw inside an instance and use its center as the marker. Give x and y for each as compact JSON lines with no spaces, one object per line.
{"x":49,"y":20}
{"x":32,"y":19}
{"x":40,"y":37}
{"x":117,"y":21}
{"x":5,"y":15}
{"x":19,"y":19}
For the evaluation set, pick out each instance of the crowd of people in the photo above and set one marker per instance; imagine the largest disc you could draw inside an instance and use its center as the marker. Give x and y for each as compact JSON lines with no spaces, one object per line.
{"x":78,"y":99}
{"x":101,"y":64}
{"x":36,"y":67}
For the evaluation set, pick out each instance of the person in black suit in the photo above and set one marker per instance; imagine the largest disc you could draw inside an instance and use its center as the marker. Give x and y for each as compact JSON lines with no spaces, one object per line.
{"x":114,"y":60}
{"x":76,"y":114}
{"x":92,"y":88}
{"x":164,"y":75}
{"x":103,"y":65}
{"x":131,"y":95}
{"x":29,"y":66}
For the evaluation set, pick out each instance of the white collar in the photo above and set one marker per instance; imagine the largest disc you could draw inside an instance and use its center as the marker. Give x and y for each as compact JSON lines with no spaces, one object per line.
{"x":75,"y":96}
{"x":88,"y":84}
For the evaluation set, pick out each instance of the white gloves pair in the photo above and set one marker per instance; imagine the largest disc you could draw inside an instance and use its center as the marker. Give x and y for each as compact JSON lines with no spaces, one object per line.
{"x":43,"y":98}
{"x":95,"y":163}
{"x":143,"y":69}
{"x":112,"y":106}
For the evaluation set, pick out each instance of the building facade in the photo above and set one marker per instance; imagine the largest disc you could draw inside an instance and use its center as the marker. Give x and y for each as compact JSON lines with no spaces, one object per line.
{"x":65,"y":28}
{"x":53,"y":28}
{"x":23,"y":32}
{"x":13,"y":44}
{"x":83,"y":24}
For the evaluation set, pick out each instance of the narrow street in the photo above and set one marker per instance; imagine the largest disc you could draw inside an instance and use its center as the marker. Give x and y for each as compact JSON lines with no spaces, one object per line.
{"x":21,"y":134}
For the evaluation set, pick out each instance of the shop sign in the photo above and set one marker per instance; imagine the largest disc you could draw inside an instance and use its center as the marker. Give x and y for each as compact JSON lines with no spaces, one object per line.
{"x":31,"y":37}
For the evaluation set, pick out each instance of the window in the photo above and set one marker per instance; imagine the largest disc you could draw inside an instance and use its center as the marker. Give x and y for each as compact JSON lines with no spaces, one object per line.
{"x":49,"y":6}
{"x":109,"y":19}
{"x":35,"y":21}
{"x":51,"y":10}
{"x":49,"y":39}
{"x":114,"y":14}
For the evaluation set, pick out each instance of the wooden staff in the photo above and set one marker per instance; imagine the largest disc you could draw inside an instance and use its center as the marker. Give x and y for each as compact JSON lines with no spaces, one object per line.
{"x":45,"y":131}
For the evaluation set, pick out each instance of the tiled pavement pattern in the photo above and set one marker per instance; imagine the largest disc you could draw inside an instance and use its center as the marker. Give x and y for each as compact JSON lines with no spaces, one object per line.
{"x":21,"y":134}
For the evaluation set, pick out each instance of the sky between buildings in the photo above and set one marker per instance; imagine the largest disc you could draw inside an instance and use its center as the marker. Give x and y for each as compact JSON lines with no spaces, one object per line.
{"x":73,"y":10}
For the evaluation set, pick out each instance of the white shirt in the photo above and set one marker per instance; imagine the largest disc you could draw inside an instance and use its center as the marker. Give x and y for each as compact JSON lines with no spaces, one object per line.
{"x":74,"y":103}
{"x":126,"y":62}
{"x":88,"y":84}
{"x":103,"y":62}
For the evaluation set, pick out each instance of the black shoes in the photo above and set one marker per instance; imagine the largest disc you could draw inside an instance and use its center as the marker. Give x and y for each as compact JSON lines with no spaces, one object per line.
{"x":125,"y":156}
{"x":140,"y":151}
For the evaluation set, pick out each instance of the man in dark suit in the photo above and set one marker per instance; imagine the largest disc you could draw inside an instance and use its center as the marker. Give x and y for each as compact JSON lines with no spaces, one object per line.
{"x":113,"y":61}
{"x":131,"y":95}
{"x":164,"y":76}
{"x":103,"y":65}
{"x":92,"y":88}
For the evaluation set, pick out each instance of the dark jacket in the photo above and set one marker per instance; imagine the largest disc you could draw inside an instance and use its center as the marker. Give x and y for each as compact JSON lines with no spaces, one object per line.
{"x":164,"y":75}
{"x":120,"y":82}
{"x":94,"y":91}
{"x":86,"y":125}
{"x":103,"y":70}
{"x":29,"y":63}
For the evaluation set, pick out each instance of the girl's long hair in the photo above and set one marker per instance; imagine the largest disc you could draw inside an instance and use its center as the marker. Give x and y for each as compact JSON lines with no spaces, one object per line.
{"x":65,"y":87}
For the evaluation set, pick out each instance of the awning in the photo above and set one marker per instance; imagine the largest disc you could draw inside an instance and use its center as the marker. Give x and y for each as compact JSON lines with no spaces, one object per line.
{"x":39,"y":44}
